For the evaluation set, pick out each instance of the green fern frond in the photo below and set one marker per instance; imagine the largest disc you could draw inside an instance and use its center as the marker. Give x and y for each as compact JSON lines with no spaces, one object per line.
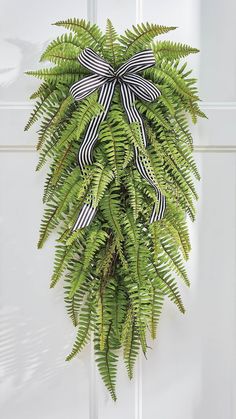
{"x":135,"y":195}
{"x":168,"y":287}
{"x":42,"y":90}
{"x":62,"y":161}
{"x":177,"y":221}
{"x":62,"y":258}
{"x":65,"y":48}
{"x":112,"y":137}
{"x":141,"y":304}
{"x":112,"y":211}
{"x":102,"y":178}
{"x":87,"y":109}
{"x":85,"y":325}
{"x":173,"y":258}
{"x":48,"y":224}
{"x":131,"y":343}
{"x":67,"y":73}
{"x":107,"y":360}
{"x":154,"y":114}
{"x":111,"y":46}
{"x":41,"y":106}
{"x":89,"y":34}
{"x":141,"y":36}
{"x":171,"y":50}
{"x":74,"y":304}
{"x":156,"y":307}
{"x":166,"y":74}
{"x":95,"y":240}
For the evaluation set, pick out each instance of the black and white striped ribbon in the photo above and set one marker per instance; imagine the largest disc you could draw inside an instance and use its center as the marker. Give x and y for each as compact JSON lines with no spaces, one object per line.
{"x":105,"y":78}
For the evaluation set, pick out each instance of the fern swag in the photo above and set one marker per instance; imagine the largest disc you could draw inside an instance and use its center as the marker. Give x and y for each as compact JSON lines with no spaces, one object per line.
{"x":119,"y":269}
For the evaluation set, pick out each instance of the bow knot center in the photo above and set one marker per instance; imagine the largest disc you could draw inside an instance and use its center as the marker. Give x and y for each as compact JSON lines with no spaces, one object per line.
{"x":116,"y":76}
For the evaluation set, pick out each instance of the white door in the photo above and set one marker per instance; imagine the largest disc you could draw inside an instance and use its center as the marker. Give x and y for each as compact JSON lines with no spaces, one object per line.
{"x":190,"y":373}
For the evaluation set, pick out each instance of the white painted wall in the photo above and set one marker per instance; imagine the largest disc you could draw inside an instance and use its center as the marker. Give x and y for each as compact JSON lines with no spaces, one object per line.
{"x":190,"y":373}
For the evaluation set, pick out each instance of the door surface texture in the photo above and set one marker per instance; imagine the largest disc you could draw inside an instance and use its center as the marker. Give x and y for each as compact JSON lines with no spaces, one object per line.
{"x":190,"y":372}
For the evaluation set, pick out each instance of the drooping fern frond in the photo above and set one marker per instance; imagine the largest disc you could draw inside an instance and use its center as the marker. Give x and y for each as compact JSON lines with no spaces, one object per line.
{"x":112,"y":211}
{"x":49,"y":223}
{"x":107,"y":360}
{"x":102,"y":177}
{"x":131,"y":342}
{"x":119,"y":270}
{"x":94,"y":241}
{"x":85,"y":322}
{"x":73,"y":304}
{"x":112,"y":136}
{"x":156,"y":304}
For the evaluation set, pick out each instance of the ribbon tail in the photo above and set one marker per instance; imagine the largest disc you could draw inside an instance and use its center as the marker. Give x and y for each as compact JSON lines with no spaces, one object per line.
{"x":158,"y":211}
{"x":91,"y":135}
{"x":85,"y":217}
{"x":88,"y":211}
{"x":128,"y":98}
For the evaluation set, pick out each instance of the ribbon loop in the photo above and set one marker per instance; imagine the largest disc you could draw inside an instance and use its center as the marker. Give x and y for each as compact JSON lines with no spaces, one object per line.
{"x":141,"y":87}
{"x":139,"y":62}
{"x":132,"y":85}
{"x":86,"y":86}
{"x":94,"y":63}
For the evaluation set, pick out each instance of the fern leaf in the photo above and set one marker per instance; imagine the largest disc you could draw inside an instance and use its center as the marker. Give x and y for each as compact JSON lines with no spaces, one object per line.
{"x":141,"y":36}
{"x":140,"y":300}
{"x":65,"y":48}
{"x":110,"y":45}
{"x":156,"y":309}
{"x":48,"y":224}
{"x":83,"y":334}
{"x":95,"y":240}
{"x":67,"y":73}
{"x":168,"y":286}
{"x":165,"y":73}
{"x":134,"y":194}
{"x":74,"y":304}
{"x":87,"y":109}
{"x":131,"y":343}
{"x":62,"y":259}
{"x":88,"y":34}
{"x":174,"y":258}
{"x":107,"y":360}
{"x":171,"y":50}
{"x":112,"y":211}
{"x":112,"y":137}
{"x":102,"y":178}
{"x":41,"y":106}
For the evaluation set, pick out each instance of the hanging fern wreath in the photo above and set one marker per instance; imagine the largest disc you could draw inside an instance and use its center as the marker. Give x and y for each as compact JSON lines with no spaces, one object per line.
{"x":120,"y":151}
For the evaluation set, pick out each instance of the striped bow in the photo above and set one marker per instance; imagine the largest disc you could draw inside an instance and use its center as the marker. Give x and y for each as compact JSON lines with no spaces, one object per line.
{"x":132,"y":85}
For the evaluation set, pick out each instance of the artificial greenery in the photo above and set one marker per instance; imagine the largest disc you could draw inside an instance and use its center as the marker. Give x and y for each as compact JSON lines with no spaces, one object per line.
{"x":119,"y":270}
